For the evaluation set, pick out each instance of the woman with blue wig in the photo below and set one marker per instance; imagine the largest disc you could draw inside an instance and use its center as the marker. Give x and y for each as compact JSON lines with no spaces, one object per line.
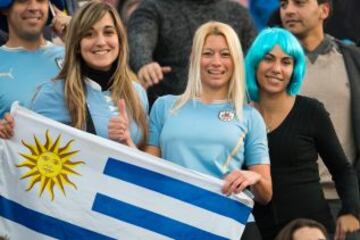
{"x":299,"y":128}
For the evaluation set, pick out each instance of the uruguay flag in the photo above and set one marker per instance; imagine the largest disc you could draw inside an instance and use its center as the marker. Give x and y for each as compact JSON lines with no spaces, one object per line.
{"x":57,"y":182}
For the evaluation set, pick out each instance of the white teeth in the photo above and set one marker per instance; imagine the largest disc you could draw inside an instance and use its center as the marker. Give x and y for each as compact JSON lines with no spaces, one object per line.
{"x":215,"y":72}
{"x":274,"y":79}
{"x":100,"y":52}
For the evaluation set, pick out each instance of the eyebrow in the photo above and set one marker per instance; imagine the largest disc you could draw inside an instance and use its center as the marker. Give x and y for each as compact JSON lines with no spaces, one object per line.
{"x":286,"y":57}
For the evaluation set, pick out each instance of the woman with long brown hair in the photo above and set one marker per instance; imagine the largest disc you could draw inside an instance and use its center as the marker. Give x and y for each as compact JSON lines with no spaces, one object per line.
{"x":93,"y":91}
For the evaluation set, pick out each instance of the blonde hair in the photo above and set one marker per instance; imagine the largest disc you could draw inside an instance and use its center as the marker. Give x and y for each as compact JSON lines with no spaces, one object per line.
{"x":236,"y":93}
{"x":121,"y":84}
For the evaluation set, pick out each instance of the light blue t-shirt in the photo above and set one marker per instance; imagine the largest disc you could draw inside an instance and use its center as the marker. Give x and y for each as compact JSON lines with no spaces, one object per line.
{"x":202,"y":136}
{"x":21,"y":71}
{"x":49,"y":101}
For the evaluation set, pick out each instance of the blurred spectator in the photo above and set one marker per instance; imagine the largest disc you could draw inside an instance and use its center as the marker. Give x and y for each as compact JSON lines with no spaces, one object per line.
{"x":344,"y":22}
{"x":27,"y":59}
{"x":126,"y":8}
{"x":160,"y":37}
{"x":261,"y":11}
{"x":303,"y":229}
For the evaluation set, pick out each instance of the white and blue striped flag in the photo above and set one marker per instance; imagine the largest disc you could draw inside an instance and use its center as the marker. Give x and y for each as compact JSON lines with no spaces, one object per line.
{"x":57,"y":182}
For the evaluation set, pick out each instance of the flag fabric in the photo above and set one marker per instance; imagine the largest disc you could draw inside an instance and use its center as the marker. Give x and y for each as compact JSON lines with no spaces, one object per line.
{"x":57,"y":182}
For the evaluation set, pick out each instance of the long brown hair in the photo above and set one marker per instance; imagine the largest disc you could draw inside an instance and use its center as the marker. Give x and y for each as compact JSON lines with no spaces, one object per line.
{"x":121,"y":85}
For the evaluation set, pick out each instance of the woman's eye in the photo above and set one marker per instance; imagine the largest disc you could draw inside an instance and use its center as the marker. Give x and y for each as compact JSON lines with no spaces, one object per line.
{"x":207,"y":54}
{"x":226,"y":54}
{"x":109,"y":32}
{"x":267,"y":58}
{"x":88,"y":34}
{"x":287,"y":62}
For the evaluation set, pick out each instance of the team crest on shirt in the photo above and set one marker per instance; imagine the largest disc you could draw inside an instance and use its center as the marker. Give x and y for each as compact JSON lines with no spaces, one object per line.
{"x":59,"y":62}
{"x":226,"y":115}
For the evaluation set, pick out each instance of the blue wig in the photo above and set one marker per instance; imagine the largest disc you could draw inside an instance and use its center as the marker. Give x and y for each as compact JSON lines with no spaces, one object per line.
{"x":263,"y":44}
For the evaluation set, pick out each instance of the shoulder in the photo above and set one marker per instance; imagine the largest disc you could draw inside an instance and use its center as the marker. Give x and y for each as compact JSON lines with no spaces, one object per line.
{"x":310,"y":108}
{"x":166,"y":101}
{"x":250,"y":113}
{"x":164,"y":104}
{"x":49,"y":92}
{"x":52,"y":48}
{"x":309,"y":102}
{"x":348,"y":48}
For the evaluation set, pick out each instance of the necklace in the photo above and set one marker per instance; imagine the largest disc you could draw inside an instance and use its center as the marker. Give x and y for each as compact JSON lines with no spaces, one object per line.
{"x":268,"y":127}
{"x":267,"y":118}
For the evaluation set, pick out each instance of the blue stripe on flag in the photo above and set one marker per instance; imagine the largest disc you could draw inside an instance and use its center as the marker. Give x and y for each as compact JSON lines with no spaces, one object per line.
{"x":178,"y":189}
{"x":44,"y":224}
{"x":149,"y":220}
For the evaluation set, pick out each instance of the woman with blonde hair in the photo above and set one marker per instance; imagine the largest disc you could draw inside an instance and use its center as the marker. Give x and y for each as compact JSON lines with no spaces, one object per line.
{"x":93,"y":91}
{"x":210,"y":128}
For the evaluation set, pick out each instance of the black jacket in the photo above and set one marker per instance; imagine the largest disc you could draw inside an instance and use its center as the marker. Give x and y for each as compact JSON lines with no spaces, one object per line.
{"x":351,"y":56}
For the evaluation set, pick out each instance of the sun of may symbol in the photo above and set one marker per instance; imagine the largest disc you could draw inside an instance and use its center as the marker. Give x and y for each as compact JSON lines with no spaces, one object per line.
{"x":49,"y":164}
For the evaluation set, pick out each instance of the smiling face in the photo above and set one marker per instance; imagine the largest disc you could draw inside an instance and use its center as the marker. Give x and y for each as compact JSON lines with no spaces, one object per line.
{"x":216,"y":64}
{"x":303,"y":17}
{"x":27,"y":18}
{"x":274,"y":71}
{"x":99,"y":47}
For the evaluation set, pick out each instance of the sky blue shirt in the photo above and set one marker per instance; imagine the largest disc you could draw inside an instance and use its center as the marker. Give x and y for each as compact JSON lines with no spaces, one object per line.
{"x":21,"y":71}
{"x":197,"y":137}
{"x":50,"y":102}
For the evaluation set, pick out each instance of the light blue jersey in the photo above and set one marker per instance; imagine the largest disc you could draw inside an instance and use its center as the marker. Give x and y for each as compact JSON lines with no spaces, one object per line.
{"x":50,"y":102}
{"x":21,"y":71}
{"x":208,"y":137}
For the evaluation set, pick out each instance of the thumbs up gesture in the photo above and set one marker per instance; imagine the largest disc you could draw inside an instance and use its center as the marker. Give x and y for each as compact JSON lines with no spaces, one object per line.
{"x":118,"y":126}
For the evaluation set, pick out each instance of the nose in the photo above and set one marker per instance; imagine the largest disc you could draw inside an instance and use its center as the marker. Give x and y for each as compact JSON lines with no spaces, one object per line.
{"x":216,"y":60}
{"x":33,"y":5}
{"x":276,"y":67}
{"x":100,"y":40}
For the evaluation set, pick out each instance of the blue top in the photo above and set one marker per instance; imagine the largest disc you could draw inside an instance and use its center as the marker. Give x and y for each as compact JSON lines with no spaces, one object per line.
{"x":50,"y":102}
{"x":202,"y":136}
{"x":21,"y":71}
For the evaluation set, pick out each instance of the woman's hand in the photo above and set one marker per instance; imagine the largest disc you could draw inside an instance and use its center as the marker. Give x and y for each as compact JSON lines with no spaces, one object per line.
{"x":119,"y":126}
{"x":7,"y":126}
{"x":238,"y":180}
{"x":346,"y":224}
{"x":258,"y":177}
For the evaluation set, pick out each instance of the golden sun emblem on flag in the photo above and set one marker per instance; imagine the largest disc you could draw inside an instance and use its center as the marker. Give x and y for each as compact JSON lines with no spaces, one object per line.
{"x":49,"y":164}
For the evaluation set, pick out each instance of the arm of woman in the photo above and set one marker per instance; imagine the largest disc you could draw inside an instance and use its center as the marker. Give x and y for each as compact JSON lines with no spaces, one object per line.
{"x":258,"y":178}
{"x":256,"y":156}
{"x":341,"y":170}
